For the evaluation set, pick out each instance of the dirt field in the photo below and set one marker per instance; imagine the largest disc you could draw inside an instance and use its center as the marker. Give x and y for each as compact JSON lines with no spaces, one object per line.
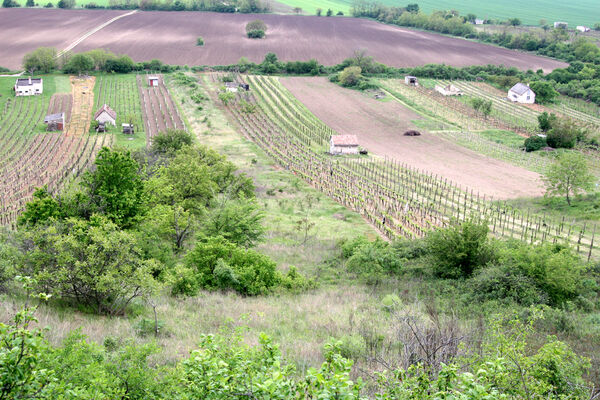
{"x":171,"y":37}
{"x":380,"y":127}
{"x":23,"y":30}
{"x":61,"y":102}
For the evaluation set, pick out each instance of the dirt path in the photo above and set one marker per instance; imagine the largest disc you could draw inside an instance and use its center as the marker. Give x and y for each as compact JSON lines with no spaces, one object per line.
{"x":380,"y":126}
{"x":83,"y":102}
{"x":91,"y":32}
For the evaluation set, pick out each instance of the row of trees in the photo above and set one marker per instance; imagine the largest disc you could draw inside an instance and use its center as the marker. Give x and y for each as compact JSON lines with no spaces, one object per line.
{"x":232,"y":6}
{"x":46,"y":60}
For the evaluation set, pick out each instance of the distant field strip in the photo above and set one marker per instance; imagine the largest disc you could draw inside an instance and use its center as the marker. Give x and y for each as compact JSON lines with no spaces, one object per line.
{"x":396,"y":198}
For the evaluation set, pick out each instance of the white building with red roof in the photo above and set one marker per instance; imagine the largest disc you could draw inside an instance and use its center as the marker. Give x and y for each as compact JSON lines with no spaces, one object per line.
{"x":343,"y":144}
{"x":106,"y":115}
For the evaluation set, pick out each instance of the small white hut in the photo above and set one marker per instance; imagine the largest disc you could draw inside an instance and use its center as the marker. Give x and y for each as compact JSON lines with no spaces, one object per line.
{"x":411,"y":80}
{"x":343,"y":144}
{"x":521,"y":93}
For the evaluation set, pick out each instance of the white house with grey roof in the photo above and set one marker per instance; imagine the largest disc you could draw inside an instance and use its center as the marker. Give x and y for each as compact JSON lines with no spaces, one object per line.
{"x":29,"y":86}
{"x":521,"y":93}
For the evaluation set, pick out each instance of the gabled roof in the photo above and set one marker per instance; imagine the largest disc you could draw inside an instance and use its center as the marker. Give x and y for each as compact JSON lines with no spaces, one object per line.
{"x":27,"y":81}
{"x":344,"y":140}
{"x":106,"y":109}
{"x":520,"y":89}
{"x":54,"y":117}
{"x":152,"y":77}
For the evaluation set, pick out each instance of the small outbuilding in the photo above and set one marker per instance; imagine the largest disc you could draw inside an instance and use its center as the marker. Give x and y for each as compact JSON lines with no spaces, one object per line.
{"x":128,"y":129}
{"x":560,"y":24}
{"x":29,"y":86}
{"x":231,"y":87}
{"x":153,"y":81}
{"x":521,"y":93}
{"x":55,"y":122}
{"x":343,"y":144}
{"x":582,"y":28}
{"x":101,"y":127}
{"x":106,"y":115}
{"x":245,"y":86}
{"x":448,"y":90}
{"x":411,"y":80}
{"x":479,"y":21}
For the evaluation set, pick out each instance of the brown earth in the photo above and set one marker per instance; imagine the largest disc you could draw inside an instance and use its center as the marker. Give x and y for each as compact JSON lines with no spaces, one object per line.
{"x":380,"y":125}
{"x":23,"y":30}
{"x":171,"y":37}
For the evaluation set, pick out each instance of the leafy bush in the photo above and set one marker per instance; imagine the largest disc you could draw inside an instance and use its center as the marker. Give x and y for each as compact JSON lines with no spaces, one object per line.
{"x":350,"y":76}
{"x":534,"y":143}
{"x":372,"y":260}
{"x":256,"y":29}
{"x":554,"y":268}
{"x":91,"y":264}
{"x":563,"y":134}
{"x":199,"y":41}
{"x":459,"y":249}
{"x":170,"y":141}
{"x":352,"y":347}
{"x":504,"y":283}
{"x":220,"y":264}
{"x":544,"y":92}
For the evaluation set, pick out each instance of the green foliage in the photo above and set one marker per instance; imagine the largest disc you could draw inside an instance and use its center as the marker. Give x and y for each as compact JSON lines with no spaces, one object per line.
{"x":199,"y":41}
{"x":546,"y":121}
{"x":171,"y":141}
{"x":66,"y":4}
{"x":10,"y":3}
{"x":40,"y":209}
{"x":564,"y":134}
{"x":220,"y":264}
{"x":534,"y":143}
{"x":459,"y":249}
{"x":544,"y":92}
{"x":114,"y":188}
{"x":256,"y":29}
{"x":79,"y":64}
{"x":482,"y":105}
{"x":568,"y":176}
{"x":352,"y":347}
{"x":226,"y":96}
{"x":373,"y":260}
{"x":41,"y":60}
{"x":238,"y":221}
{"x":350,"y":76}
{"x":87,"y":263}
{"x":329,"y":12}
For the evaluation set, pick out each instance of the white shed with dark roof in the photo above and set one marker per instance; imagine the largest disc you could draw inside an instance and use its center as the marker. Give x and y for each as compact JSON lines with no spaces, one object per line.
{"x":29,"y":86}
{"x":521,"y":93}
{"x":343,"y":144}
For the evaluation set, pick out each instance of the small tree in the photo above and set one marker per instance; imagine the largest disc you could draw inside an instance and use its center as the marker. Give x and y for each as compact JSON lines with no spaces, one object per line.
{"x":514,"y":21}
{"x":546,"y":121}
{"x":199,"y":41}
{"x":66,"y":4}
{"x":42,"y":59}
{"x":350,"y":76}
{"x":9,"y":3}
{"x":483,"y":106}
{"x":568,"y":176}
{"x":30,"y":3}
{"x":564,"y":134}
{"x":256,"y":29}
{"x":544,"y":92}
{"x":319,"y":12}
{"x":79,"y":64}
{"x":329,"y":12}
{"x":297,"y":10}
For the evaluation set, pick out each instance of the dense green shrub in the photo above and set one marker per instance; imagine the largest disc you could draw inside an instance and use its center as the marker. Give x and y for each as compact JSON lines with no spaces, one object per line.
{"x":170,"y":141}
{"x":219,"y":264}
{"x":373,"y":260}
{"x":535,"y":142}
{"x":546,"y":121}
{"x":458,"y":250}
{"x":199,"y":41}
{"x":256,"y":29}
{"x":91,"y":264}
{"x":507,"y":284}
{"x":563,"y":135}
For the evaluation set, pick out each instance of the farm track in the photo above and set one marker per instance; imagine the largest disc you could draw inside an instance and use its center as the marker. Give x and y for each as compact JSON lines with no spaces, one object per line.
{"x":397,"y":199}
{"x":34,"y":159}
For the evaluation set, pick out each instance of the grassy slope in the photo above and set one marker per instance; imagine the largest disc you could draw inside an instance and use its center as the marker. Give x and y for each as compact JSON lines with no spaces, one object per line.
{"x":576,"y":12}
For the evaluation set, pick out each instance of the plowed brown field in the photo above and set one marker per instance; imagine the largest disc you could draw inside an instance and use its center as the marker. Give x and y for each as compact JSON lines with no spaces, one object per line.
{"x":23,"y":30}
{"x":379,"y":127}
{"x":171,"y":37}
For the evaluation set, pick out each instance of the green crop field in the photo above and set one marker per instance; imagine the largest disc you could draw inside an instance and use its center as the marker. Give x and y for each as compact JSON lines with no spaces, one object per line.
{"x":576,"y":12}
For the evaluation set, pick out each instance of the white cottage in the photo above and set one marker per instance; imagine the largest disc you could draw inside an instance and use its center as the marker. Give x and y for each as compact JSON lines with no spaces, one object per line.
{"x":560,"y":24}
{"x":106,"y":115}
{"x":448,"y":90}
{"x":521,"y":93}
{"x":343,"y":144}
{"x":153,"y":81}
{"x":582,"y":28}
{"x":231,"y":87}
{"x":29,"y":86}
